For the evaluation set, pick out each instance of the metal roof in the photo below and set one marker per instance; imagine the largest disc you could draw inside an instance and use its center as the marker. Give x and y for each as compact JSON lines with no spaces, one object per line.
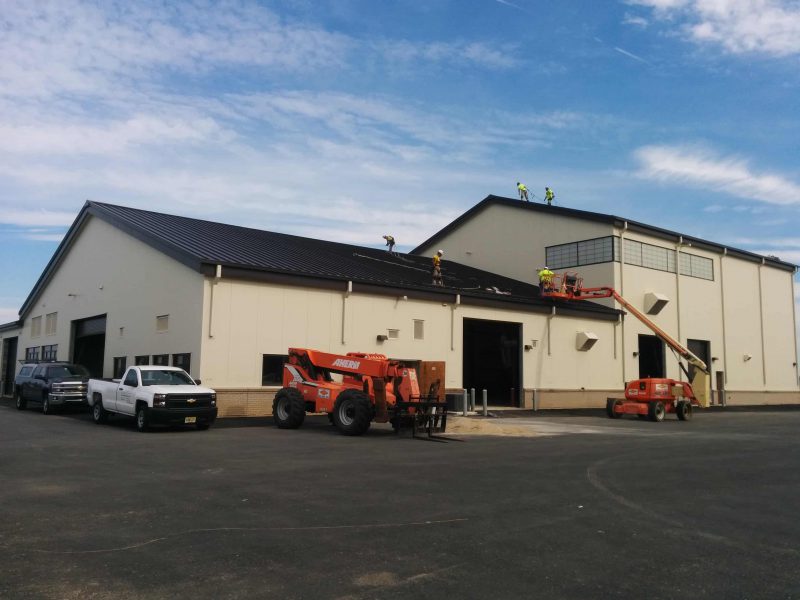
{"x":256,"y":254}
{"x":612,"y":220}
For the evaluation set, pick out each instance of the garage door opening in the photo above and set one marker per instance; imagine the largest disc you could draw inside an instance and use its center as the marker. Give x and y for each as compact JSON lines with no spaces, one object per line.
{"x":89,"y":344}
{"x":651,"y":357}
{"x":493,"y":359}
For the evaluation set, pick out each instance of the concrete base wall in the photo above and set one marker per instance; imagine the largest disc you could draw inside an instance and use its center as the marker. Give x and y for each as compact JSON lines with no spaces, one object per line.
{"x":565,"y":399}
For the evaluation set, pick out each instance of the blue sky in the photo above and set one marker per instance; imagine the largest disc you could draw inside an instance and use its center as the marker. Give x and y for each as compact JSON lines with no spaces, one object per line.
{"x":348,"y":119}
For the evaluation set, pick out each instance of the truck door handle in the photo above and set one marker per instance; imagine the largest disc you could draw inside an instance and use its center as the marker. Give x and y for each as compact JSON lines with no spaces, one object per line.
{"x":120,"y":389}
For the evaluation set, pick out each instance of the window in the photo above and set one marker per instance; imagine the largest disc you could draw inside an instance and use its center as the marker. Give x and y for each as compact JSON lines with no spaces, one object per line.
{"x":161,"y":360}
{"x":39,"y":371}
{"x":49,"y":352}
{"x":585,"y":252}
{"x":32,"y":354}
{"x":162,"y":323}
{"x":120,"y":363}
{"x":25,"y":371}
{"x":697,"y":266}
{"x":184,"y":361}
{"x":649,"y":256}
{"x":419,"y":329}
{"x":36,"y":326}
{"x":50,"y":323}
{"x":393,"y":334}
{"x":272,"y":369}
{"x":142,"y":360}
{"x":131,"y":379}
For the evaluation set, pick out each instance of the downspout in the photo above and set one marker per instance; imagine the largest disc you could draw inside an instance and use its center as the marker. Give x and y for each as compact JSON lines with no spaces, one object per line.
{"x":794,"y":322}
{"x":724,"y":336}
{"x":214,"y":282}
{"x":622,"y":293}
{"x":678,"y":292}
{"x":761,"y":317}
{"x":344,"y":310}
{"x":549,"y":320}
{"x":453,"y":322}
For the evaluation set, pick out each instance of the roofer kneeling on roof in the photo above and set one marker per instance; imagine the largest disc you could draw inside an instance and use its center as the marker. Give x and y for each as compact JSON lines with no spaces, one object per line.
{"x":437,"y":268}
{"x":545,"y":280}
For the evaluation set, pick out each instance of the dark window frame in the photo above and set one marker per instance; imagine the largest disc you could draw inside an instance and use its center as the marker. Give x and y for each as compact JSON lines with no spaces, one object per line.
{"x":158,"y":358}
{"x":268,"y":377}
{"x":50,"y":352}
{"x":120,"y":365}
{"x":32,"y":353}
{"x":142,"y":360}
{"x":556,"y":264}
{"x":178,"y":358}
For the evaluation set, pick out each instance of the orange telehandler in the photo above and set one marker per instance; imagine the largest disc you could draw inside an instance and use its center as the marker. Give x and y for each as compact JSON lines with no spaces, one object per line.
{"x":355,"y":389}
{"x":651,"y":397}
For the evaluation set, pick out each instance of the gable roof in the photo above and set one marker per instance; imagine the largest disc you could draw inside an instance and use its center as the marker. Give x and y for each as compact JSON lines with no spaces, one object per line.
{"x":612,"y":220}
{"x":254,"y":254}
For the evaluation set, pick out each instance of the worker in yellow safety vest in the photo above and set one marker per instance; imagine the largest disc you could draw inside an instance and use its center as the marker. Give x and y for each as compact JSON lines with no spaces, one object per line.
{"x":437,"y":268}
{"x":389,"y":242}
{"x":523,"y":191}
{"x":549,"y":196}
{"x":545,"y":280}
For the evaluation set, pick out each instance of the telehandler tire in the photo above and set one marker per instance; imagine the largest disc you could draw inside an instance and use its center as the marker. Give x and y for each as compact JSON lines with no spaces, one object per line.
{"x":352,"y":412}
{"x":684,"y":410}
{"x":288,"y":408}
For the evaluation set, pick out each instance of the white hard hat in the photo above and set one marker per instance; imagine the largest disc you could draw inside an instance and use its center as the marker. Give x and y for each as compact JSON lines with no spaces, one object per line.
{"x":440,"y":252}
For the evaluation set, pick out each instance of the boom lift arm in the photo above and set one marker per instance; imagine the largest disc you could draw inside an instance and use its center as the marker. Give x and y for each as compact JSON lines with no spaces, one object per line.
{"x":570,"y":287}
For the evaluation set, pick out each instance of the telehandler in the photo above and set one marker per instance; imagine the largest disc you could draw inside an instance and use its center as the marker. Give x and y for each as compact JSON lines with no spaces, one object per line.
{"x":355,"y":389}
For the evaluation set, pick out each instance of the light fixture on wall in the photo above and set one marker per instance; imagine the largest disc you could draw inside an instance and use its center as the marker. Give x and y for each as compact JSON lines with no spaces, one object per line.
{"x":714,"y":359}
{"x":747,"y":357}
{"x":381,"y":337}
{"x":635,"y":354}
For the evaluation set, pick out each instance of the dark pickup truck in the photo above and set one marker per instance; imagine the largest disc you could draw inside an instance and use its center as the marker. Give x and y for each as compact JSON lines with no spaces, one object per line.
{"x":53,"y":384}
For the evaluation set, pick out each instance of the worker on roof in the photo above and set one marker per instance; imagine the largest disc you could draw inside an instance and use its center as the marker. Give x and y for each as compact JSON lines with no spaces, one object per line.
{"x":523,"y":191}
{"x":389,"y":242}
{"x":549,"y":196}
{"x":545,"y":280}
{"x":437,"y":268}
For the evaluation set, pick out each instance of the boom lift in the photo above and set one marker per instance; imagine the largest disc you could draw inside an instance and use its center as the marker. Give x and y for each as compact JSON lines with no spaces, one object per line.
{"x":651,"y":397}
{"x":368,"y":387}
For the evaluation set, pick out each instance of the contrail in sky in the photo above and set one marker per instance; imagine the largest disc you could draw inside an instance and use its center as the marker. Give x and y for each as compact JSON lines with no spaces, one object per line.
{"x":512,"y":5}
{"x":626,"y":53}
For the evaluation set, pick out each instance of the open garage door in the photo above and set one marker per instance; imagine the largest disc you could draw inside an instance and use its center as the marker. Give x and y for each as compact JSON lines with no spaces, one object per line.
{"x":493,"y":359}
{"x":89,"y":343}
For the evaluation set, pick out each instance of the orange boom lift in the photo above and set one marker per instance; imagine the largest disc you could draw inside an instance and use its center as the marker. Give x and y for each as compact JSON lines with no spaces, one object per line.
{"x":355,"y":389}
{"x":652,"y":397}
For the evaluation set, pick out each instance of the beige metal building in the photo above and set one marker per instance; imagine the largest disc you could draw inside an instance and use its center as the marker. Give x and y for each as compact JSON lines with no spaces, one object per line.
{"x":128,"y":286}
{"x":734,"y":309}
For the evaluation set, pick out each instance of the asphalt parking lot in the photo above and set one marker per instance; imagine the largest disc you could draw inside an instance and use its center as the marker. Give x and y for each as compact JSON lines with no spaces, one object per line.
{"x":593,"y":509}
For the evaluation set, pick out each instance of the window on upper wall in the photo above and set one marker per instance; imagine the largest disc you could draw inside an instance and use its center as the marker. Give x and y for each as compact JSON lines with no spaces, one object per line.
{"x":36,"y":327}
{"x":142,"y":360}
{"x":393,"y":334}
{"x":419,"y":329}
{"x":584,"y":252}
{"x":32,"y":354}
{"x":120,"y":364}
{"x":50,"y":323}
{"x":161,"y":360}
{"x":183,"y":361}
{"x":50,"y":352}
{"x":272,"y":368}
{"x":162,"y":323}
{"x":697,"y":266}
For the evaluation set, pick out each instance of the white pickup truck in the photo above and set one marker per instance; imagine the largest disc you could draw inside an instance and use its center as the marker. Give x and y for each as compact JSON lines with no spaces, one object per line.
{"x":155,"y":395}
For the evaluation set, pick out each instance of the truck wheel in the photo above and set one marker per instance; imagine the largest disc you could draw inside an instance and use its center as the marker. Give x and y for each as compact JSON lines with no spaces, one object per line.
{"x":684,"y":410}
{"x":46,"y":407}
{"x":611,"y":404}
{"x":288,"y":408}
{"x":142,"y":422}
{"x":655,"y":411}
{"x":352,"y":412}
{"x":21,"y":402}
{"x":99,"y":414}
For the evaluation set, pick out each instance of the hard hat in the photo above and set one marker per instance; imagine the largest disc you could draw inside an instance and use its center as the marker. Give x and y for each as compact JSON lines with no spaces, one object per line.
{"x":546,"y":267}
{"x":440,"y":252}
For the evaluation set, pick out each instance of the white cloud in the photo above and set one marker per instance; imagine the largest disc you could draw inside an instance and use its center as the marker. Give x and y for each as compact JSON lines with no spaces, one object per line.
{"x":770,"y":27}
{"x":704,"y":169}
{"x":8,"y":314}
{"x":475,"y":53}
{"x":36,"y":218}
{"x":635,"y":20}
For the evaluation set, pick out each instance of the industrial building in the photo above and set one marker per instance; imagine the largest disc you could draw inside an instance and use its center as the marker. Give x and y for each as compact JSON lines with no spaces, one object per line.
{"x":129,"y":286}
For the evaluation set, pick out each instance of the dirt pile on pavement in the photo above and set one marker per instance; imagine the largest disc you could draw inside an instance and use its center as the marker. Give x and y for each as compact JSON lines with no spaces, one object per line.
{"x":482,"y":426}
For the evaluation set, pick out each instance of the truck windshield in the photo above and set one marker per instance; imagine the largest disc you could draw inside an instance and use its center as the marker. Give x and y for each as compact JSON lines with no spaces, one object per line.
{"x":67,"y":371}
{"x":152,"y":377}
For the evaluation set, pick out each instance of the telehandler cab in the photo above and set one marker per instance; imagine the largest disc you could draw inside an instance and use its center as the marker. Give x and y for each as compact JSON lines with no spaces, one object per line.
{"x":355,"y":389}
